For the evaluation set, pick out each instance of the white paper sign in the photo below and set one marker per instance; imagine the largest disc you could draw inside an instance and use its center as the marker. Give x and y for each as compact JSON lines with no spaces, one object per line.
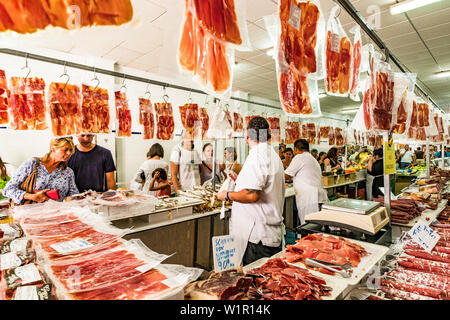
{"x":71,"y":246}
{"x":424,"y":236}
{"x":295,"y":16}
{"x":225,"y":253}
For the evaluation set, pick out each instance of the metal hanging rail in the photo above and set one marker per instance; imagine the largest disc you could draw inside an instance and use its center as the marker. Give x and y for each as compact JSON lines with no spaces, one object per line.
{"x":355,"y":14}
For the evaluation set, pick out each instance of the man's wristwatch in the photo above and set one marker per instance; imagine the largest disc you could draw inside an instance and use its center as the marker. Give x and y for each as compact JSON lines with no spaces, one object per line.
{"x":227,"y":198}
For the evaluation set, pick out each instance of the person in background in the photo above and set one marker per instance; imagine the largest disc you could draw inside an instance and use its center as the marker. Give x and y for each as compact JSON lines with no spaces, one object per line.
{"x":281,"y":149}
{"x":288,"y":155}
{"x":307,"y":176}
{"x":92,"y":165}
{"x":163,"y":188}
{"x":6,"y":172}
{"x":406,"y":157}
{"x":206,"y":167}
{"x":154,"y":161}
{"x":438,"y":154}
{"x":322,"y":156}
{"x":230,"y":156}
{"x":331,"y":162}
{"x":314,"y":153}
{"x":52,"y":174}
{"x":185,"y":166}
{"x":419,"y":154}
{"x":375,"y":170}
{"x":257,"y":210}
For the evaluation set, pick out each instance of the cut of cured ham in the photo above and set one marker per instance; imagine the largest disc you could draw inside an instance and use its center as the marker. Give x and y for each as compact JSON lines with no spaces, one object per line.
{"x":332,"y":137}
{"x":294,"y":93}
{"x":95,"y":116}
{"x":65,"y":108}
{"x":28,"y":16}
{"x":338,"y":63}
{"x":274,"y":128}
{"x":164,"y":121}
{"x":4,"y":116}
{"x":219,"y":18}
{"x":123,"y":114}
{"x":204,"y":117}
{"x":292,"y":131}
{"x":146,"y":118}
{"x":309,"y":132}
{"x":325,"y":132}
{"x":298,"y":34}
{"x":356,"y":65}
{"x":423,"y":112}
{"x":382,"y":112}
{"x":402,"y":115}
{"x":190,"y":120}
{"x":27,"y":104}
{"x":238,"y":123}
{"x":340,"y":137}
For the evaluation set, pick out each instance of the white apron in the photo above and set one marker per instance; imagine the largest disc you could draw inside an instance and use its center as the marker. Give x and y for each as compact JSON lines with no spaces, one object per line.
{"x":307,"y":199}
{"x":241,"y":226}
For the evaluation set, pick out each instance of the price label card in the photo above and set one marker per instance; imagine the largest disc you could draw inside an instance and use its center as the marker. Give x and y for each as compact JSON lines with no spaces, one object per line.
{"x":335,"y":42}
{"x":424,"y":236}
{"x":295,"y":16}
{"x":225,"y":253}
{"x":71,"y":246}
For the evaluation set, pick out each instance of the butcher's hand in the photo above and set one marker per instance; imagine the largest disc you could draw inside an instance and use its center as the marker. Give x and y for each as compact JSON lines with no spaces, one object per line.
{"x":41,"y":196}
{"x":221,"y":195}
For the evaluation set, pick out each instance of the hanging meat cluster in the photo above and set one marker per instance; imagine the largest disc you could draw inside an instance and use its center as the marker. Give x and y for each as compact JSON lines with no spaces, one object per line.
{"x":357,"y":48}
{"x":204,"y":118}
{"x":275,"y":129}
{"x":324,"y":132}
{"x":190,"y":120}
{"x":419,"y":120}
{"x":382,"y":111}
{"x":423,"y":111}
{"x":309,"y":132}
{"x":146,"y":118}
{"x":164,"y":121}
{"x":402,"y":115}
{"x":332,"y":137}
{"x":27,"y":104}
{"x":4,"y":116}
{"x":238,"y":124}
{"x":28,"y":16}
{"x":339,"y":136}
{"x":65,"y":108}
{"x":123,"y":114}
{"x":208,"y":27}
{"x":439,"y":123}
{"x":292,"y":131}
{"x":297,"y":54}
{"x":95,"y":115}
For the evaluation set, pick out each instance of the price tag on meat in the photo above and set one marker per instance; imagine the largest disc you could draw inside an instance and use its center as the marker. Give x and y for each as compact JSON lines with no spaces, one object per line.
{"x":71,"y":246}
{"x":225,"y":253}
{"x":295,"y":16}
{"x":335,"y":42}
{"x":424,"y":236}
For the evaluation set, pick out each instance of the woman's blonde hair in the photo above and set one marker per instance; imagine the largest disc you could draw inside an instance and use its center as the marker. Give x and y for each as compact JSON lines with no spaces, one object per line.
{"x":60,"y":143}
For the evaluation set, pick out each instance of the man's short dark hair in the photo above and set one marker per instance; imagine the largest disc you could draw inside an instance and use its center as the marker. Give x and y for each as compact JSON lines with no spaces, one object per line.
{"x":314,"y":151}
{"x":258,"y":130}
{"x":156,"y":150}
{"x":162,"y":173}
{"x":302,"y":145}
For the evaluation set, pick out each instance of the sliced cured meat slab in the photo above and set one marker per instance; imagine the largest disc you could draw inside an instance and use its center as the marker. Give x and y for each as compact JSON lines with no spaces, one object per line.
{"x":332,"y":137}
{"x":294,"y":92}
{"x":402,"y":116}
{"x":274,"y":128}
{"x":4,"y":116}
{"x":325,"y":132}
{"x":219,"y":18}
{"x":309,"y":132}
{"x":186,"y":54}
{"x":146,"y":118}
{"x":65,"y":108}
{"x":423,"y":112}
{"x":123,"y":114}
{"x":340,"y":137}
{"x":238,"y":123}
{"x":338,"y":61}
{"x":356,"y":66}
{"x":190,"y":120}
{"x":292,"y":131}
{"x":204,"y":118}
{"x":298,"y":37}
{"x":164,"y":121}
{"x":95,"y":115}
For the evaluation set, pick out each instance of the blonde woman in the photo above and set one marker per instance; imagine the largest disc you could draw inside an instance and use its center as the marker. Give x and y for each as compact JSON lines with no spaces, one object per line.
{"x":52,"y":174}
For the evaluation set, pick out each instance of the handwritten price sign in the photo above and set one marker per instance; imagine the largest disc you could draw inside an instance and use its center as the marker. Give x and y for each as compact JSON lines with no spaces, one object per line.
{"x":424,"y":236}
{"x":225,"y":253}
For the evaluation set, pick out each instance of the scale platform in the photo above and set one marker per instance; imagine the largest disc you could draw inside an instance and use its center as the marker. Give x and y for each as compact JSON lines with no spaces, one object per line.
{"x":352,"y":205}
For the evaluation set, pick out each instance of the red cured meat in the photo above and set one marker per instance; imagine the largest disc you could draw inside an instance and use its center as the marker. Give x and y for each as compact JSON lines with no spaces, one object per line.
{"x":298,"y":45}
{"x":309,"y":132}
{"x":65,"y":108}
{"x":325,"y":132}
{"x":274,"y":128}
{"x":338,"y":65}
{"x":427,"y":279}
{"x":55,"y":229}
{"x":292,"y":131}
{"x":95,"y":115}
{"x":238,"y":123}
{"x":413,"y":288}
{"x":414,"y":118}
{"x":204,"y":117}
{"x":332,"y":137}
{"x":402,"y":114}
{"x":164,"y":121}
{"x":4,"y":116}
{"x":123,"y":114}
{"x":356,"y":65}
{"x":219,"y":18}
{"x":340,"y":137}
{"x":186,"y":53}
{"x":403,"y":295}
{"x":382,"y":111}
{"x":190,"y":120}
{"x":423,"y":111}
{"x":146,"y":118}
{"x":294,"y":93}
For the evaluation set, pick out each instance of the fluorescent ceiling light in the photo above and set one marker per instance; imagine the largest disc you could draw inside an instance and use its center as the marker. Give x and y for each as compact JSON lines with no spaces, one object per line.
{"x":442,"y":74}
{"x":409,"y":5}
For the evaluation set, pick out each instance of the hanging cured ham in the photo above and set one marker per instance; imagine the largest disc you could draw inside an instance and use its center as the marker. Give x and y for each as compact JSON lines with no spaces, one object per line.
{"x":146,"y":118}
{"x":95,"y":115}
{"x":238,"y":123}
{"x":204,"y":118}
{"x":274,"y":128}
{"x":164,"y":121}
{"x":356,"y":65}
{"x":382,"y":112}
{"x":402,"y":116}
{"x":332,"y":137}
{"x":28,"y":16}
{"x":27,"y":104}
{"x":324,"y":132}
{"x":309,"y":132}
{"x":190,"y":120}
{"x":423,"y":111}
{"x":338,"y":63}
{"x":339,"y":136}
{"x":219,"y":18}
{"x":292,"y":131}
{"x":299,"y":34}
{"x":4,"y":116}
{"x":65,"y":108}
{"x":294,"y":93}
{"x":123,"y":114}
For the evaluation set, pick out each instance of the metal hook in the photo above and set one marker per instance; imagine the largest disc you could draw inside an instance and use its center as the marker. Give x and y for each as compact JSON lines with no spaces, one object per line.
{"x":189,"y":97}
{"x":65,"y":74}
{"x":95,"y":78}
{"x":206,"y":101}
{"x":123,"y":84}
{"x":147,"y":91}
{"x":337,"y":16}
{"x":165,"y":96}
{"x":26,"y":66}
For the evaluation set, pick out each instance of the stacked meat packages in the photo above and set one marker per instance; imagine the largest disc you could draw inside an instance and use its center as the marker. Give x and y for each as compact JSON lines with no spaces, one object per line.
{"x":164,"y":121}
{"x":190,"y":120}
{"x":30,"y":16}
{"x":205,"y":48}
{"x":292,"y":130}
{"x":81,"y":256}
{"x":403,"y":210}
{"x":299,"y":42}
{"x":4,"y":116}
{"x":95,"y":115}
{"x":146,"y":118}
{"x":123,"y":114}
{"x":65,"y":108}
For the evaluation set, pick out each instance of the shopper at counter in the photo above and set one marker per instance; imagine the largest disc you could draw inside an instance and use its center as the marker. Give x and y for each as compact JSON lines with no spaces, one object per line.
{"x":206,"y":167}
{"x":438,"y":154}
{"x":375,"y":170}
{"x":92,"y":165}
{"x":288,"y":155}
{"x":419,"y":154}
{"x":307,"y":176}
{"x":315,"y":154}
{"x":154,"y":161}
{"x":230,"y":156}
{"x":52,"y":174}
{"x":406,"y":157}
{"x":257,"y":211}
{"x":322,"y":156}
{"x":163,"y":188}
{"x":331,"y":162}
{"x":185,"y":166}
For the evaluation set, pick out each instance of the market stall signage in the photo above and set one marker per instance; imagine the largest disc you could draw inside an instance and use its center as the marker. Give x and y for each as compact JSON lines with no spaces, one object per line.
{"x":225,"y":253}
{"x":389,"y":159}
{"x":424,"y":236}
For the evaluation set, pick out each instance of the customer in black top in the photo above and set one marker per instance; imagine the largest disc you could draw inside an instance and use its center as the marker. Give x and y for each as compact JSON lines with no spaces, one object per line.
{"x":93,"y":166}
{"x":375,"y":168}
{"x":419,"y":154}
{"x":331,"y":160}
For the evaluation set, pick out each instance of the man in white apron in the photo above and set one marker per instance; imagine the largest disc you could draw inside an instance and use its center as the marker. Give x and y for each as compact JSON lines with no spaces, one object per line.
{"x":307,"y":178}
{"x":257,"y":211}
{"x":184,"y":166}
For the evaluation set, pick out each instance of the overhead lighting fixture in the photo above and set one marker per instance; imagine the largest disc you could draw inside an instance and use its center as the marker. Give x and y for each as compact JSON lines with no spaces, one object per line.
{"x":443,"y":74}
{"x":409,"y":5}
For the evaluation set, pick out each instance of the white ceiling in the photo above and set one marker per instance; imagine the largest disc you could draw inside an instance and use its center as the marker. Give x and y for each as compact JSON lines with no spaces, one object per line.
{"x":148,"y":43}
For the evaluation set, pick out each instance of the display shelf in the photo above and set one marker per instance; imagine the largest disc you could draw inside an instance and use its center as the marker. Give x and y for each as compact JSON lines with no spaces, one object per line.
{"x":344,"y":184}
